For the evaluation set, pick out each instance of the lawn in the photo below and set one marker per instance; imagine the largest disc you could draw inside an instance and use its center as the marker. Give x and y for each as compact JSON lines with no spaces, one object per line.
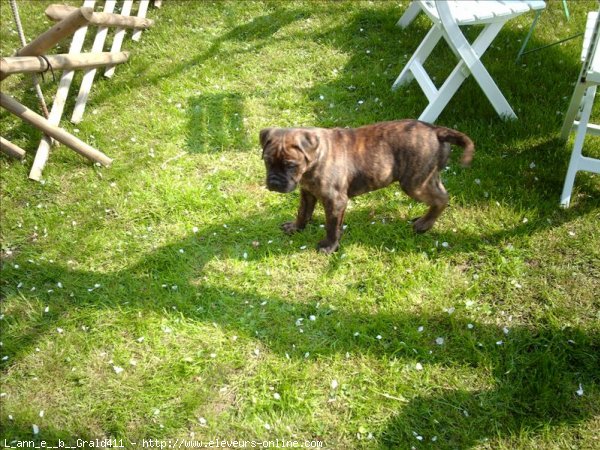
{"x":158,"y":298}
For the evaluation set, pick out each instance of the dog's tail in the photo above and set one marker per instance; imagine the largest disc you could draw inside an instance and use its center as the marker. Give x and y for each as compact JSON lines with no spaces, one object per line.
{"x":458,"y":138}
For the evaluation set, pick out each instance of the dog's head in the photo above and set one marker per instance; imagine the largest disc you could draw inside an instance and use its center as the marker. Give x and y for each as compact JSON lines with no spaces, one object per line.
{"x":288,"y":153}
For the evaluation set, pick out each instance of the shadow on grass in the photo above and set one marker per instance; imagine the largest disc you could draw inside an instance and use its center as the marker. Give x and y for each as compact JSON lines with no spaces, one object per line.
{"x":536,"y":370}
{"x":216,"y":123}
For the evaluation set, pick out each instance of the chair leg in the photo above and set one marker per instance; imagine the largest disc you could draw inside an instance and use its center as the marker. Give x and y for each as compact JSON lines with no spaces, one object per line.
{"x":576,"y":156}
{"x":574,"y":107}
{"x":469,"y":56}
{"x":445,"y":94}
{"x":492,"y":92}
{"x":486,"y":82}
{"x":409,"y":15}
{"x":462,"y":71}
{"x":421,"y":54}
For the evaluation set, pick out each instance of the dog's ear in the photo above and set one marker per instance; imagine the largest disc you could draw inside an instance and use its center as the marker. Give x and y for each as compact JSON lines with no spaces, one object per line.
{"x":309,"y":143}
{"x":264,"y":136}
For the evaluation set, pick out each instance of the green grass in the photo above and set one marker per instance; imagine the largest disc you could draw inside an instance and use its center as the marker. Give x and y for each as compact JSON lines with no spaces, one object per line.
{"x":103,"y":268}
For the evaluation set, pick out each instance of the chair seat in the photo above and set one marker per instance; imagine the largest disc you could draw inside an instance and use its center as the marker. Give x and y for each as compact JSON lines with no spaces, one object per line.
{"x":484,"y":11}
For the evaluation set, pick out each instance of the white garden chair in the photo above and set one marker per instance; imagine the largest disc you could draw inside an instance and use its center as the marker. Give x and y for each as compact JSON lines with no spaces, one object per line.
{"x":581,"y":105}
{"x":447,"y":16}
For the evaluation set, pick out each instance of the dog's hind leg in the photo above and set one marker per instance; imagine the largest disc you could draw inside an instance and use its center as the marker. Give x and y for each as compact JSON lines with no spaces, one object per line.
{"x":433,"y":194}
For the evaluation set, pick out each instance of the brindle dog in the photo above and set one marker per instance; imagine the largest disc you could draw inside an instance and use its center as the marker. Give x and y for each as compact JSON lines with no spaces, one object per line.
{"x":333,"y":165}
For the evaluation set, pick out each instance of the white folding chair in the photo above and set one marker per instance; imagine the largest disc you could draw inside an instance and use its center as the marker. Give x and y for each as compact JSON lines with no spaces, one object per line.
{"x":447,"y":16}
{"x":581,"y":105}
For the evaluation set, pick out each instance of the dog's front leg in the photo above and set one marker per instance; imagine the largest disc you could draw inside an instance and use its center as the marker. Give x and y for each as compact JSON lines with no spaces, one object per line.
{"x":334,"y":215}
{"x":305,"y":212}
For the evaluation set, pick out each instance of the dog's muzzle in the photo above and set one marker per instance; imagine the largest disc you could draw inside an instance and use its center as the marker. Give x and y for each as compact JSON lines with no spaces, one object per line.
{"x":280,"y":184}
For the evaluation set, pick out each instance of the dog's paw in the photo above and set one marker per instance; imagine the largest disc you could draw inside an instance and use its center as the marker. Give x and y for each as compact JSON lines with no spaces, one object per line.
{"x":289,"y":227}
{"x":327,"y":247}
{"x":420,"y":225}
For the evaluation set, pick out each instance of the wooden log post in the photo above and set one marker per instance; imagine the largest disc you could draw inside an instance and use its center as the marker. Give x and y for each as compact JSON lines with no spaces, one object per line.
{"x":71,"y":22}
{"x":59,"y":12}
{"x":24,"y":113}
{"x":10,"y":149}
{"x":77,"y":18}
{"x":64,"y":61}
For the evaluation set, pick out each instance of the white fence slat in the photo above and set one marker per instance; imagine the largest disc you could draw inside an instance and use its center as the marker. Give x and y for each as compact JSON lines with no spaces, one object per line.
{"x":118,"y":38}
{"x":88,"y":76}
{"x":137,"y":34}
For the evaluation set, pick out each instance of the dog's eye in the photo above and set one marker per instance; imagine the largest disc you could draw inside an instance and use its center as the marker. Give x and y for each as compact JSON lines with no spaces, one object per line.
{"x":290,"y":164}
